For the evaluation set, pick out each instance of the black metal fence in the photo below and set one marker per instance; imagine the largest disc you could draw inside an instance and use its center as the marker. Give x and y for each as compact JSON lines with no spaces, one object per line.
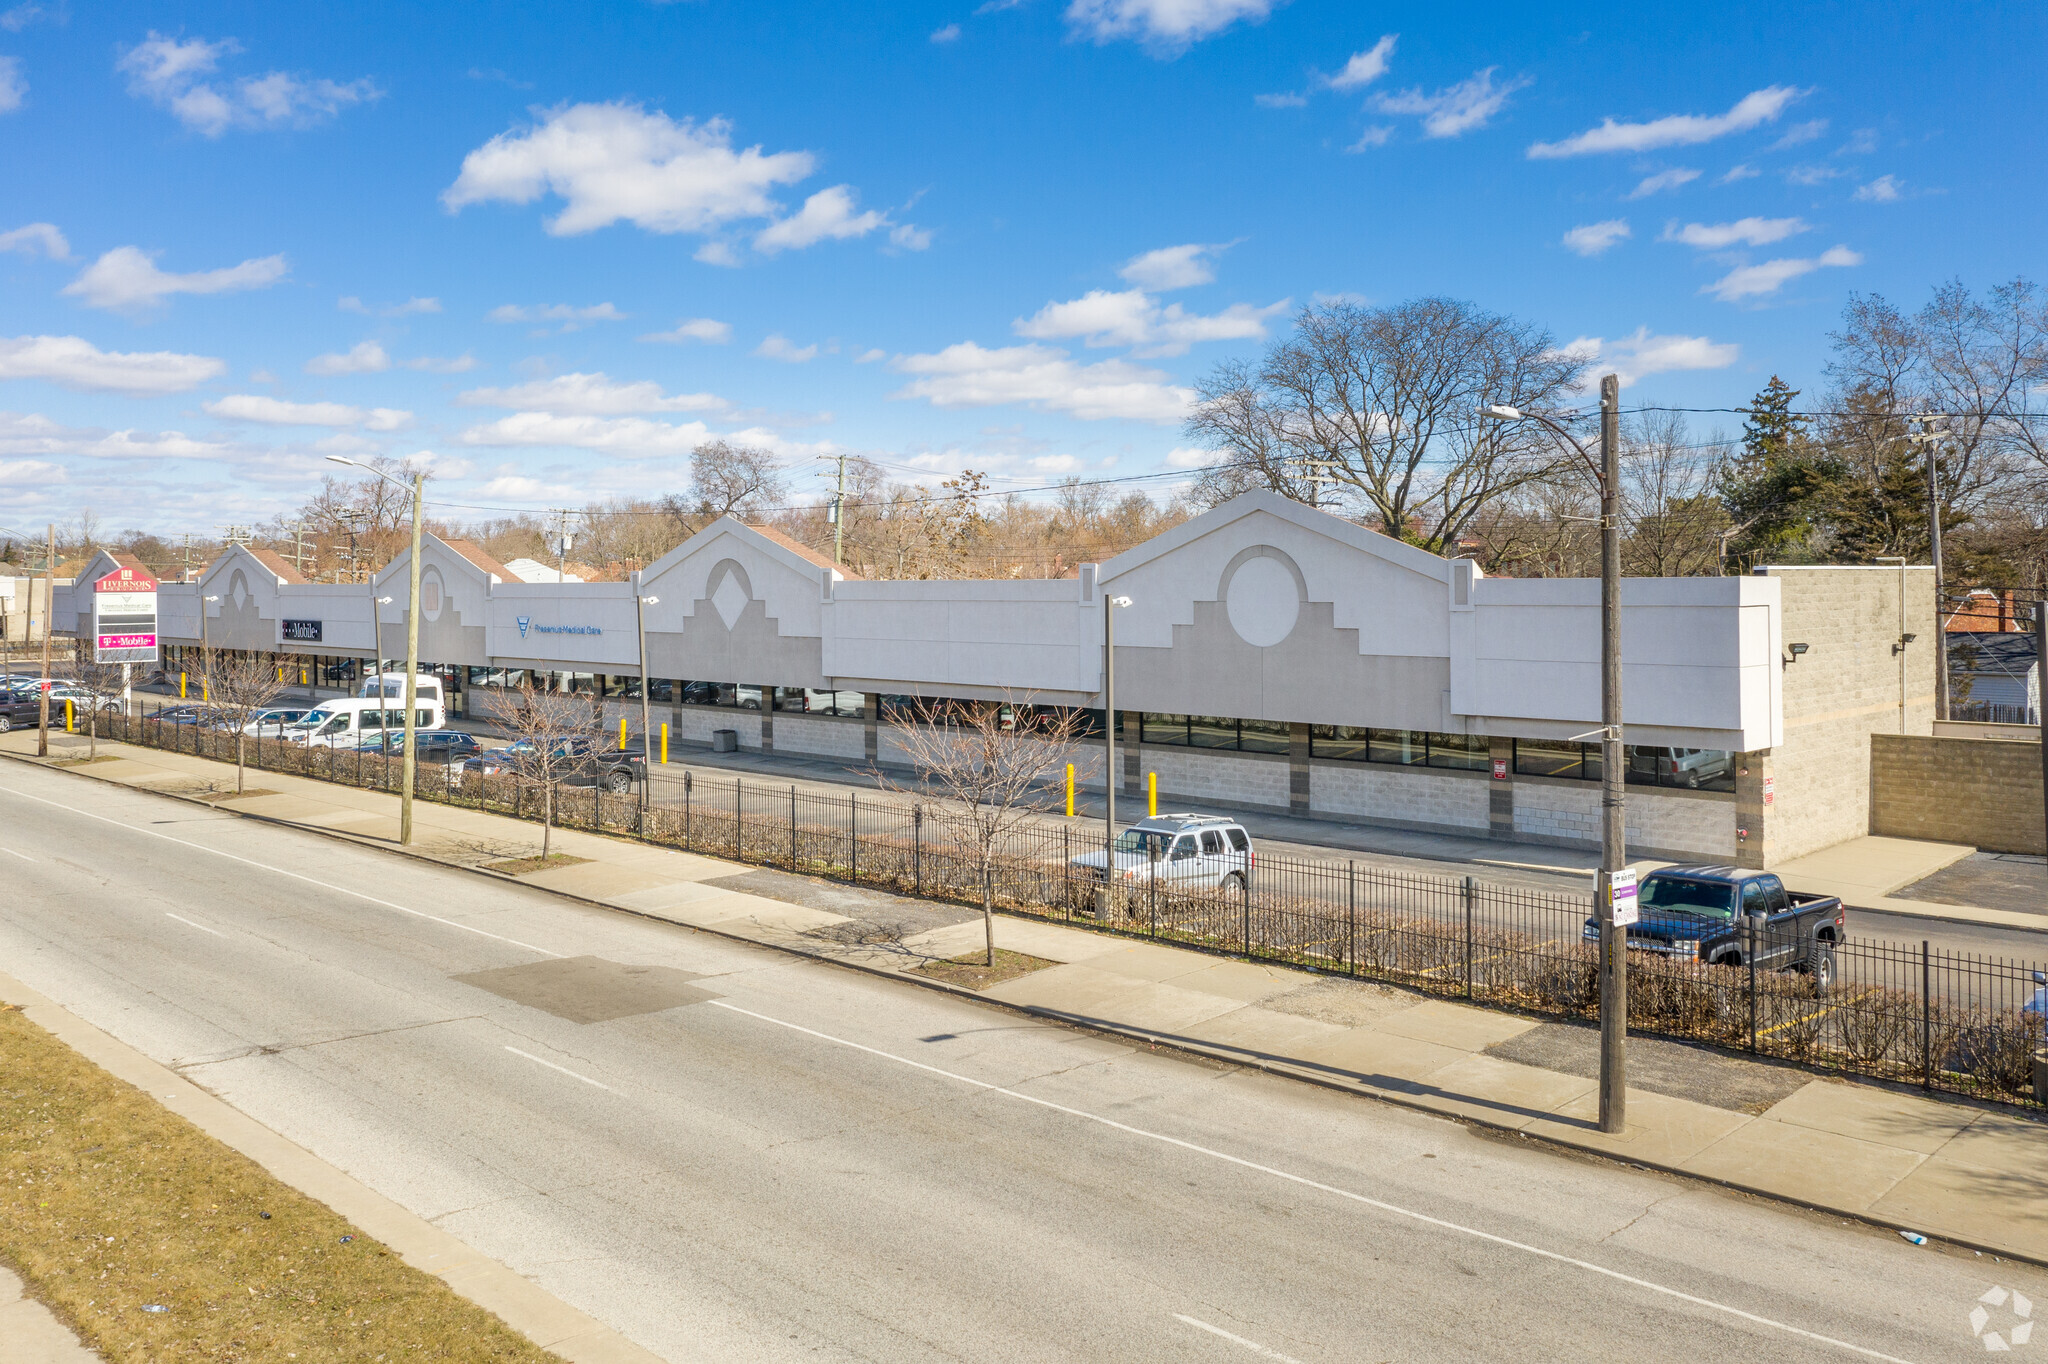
{"x":1946,"y":1021}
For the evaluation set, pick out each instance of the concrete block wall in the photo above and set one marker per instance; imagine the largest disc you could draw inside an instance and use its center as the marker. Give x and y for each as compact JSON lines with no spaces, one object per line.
{"x":820,"y":736}
{"x":1848,"y":686}
{"x":1675,"y":824}
{"x":1984,"y":792}
{"x":1404,"y":797}
{"x":1226,"y":778}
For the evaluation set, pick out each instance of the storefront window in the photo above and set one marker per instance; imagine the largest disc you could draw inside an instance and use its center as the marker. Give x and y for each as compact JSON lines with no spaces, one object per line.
{"x":1263,"y":736}
{"x":1693,"y":769}
{"x":624,"y":686}
{"x":1155,"y":728}
{"x":1342,"y":743}
{"x":1398,"y":746}
{"x":1557,"y":758}
{"x":1465,"y":752}
{"x":1212,"y":731}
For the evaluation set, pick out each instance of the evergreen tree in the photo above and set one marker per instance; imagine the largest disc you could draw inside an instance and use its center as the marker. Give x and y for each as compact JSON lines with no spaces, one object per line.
{"x":1777,"y":487}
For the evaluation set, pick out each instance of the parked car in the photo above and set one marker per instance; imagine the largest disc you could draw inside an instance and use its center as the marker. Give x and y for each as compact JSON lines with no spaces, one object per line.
{"x":445,"y":746}
{"x":518,"y":758}
{"x":269,"y":723}
{"x":20,"y":709}
{"x":80,"y":699}
{"x":186,"y":714}
{"x":1724,"y":915}
{"x":1184,"y":852}
{"x":617,"y":770}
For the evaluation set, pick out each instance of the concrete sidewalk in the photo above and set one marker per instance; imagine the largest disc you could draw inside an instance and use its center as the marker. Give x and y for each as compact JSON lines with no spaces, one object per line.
{"x":1968,"y":1173}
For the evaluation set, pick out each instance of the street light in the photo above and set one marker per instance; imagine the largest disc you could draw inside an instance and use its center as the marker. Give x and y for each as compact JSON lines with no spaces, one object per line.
{"x":640,"y":605}
{"x":412,"y":638}
{"x":1109,"y":610}
{"x":205,"y":652}
{"x":1613,"y":827}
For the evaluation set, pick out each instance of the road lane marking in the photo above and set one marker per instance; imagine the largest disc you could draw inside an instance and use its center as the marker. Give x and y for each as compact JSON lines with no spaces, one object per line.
{"x":12,"y":853}
{"x":1251,"y":1345}
{"x":1425,"y":1219}
{"x":279,"y":871}
{"x":564,"y":1069}
{"x":201,"y":927}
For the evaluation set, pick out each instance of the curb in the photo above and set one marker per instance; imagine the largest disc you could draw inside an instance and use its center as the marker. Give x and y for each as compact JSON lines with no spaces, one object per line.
{"x":1187,"y":1046}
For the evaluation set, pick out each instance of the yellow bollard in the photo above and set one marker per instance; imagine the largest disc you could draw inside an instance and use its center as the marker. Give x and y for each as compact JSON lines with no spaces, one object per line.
{"x":622,"y":731}
{"x":664,"y":743}
{"x":70,"y":720}
{"x":1151,"y":793}
{"x":181,"y":686}
{"x":1070,"y":790}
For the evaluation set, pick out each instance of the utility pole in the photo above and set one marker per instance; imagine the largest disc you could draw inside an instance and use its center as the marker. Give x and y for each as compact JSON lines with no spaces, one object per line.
{"x":1931,"y":436}
{"x":839,"y":514}
{"x":1109,"y":773}
{"x":563,"y":540}
{"x":2041,"y":683}
{"x":1613,"y":821}
{"x":49,"y":611}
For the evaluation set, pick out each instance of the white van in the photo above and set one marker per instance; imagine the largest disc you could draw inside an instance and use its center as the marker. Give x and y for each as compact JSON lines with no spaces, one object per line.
{"x":426,"y":687}
{"x":351,"y":722}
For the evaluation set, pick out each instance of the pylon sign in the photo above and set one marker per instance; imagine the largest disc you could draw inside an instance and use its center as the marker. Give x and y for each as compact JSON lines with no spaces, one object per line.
{"x":124,"y":617}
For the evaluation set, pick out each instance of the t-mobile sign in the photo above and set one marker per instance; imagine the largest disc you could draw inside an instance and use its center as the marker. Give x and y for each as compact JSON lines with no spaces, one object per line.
{"x":124,"y":617}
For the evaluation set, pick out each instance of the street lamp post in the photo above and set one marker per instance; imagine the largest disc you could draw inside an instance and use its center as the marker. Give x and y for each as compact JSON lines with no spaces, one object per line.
{"x":1109,"y":610}
{"x":205,"y":651}
{"x":640,"y":605}
{"x":1613,"y":824}
{"x":408,"y":764}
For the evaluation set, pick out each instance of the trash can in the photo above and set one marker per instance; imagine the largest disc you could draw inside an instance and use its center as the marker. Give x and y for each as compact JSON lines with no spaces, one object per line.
{"x":725,"y":741}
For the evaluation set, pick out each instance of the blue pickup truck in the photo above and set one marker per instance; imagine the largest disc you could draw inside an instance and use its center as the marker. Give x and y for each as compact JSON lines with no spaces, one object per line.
{"x":1725,"y":915}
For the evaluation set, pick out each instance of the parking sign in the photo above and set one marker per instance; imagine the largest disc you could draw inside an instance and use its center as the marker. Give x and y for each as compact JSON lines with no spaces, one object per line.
{"x":1621,"y":891}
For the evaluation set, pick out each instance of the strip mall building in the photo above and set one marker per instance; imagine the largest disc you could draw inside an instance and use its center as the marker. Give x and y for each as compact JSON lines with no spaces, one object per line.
{"x":1272,"y":657}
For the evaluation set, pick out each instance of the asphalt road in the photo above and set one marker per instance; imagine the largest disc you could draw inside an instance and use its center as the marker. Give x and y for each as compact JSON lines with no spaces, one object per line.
{"x":730,"y":1154}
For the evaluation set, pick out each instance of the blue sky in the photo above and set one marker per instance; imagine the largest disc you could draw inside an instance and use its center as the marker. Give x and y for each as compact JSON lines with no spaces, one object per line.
{"x":556,"y":246}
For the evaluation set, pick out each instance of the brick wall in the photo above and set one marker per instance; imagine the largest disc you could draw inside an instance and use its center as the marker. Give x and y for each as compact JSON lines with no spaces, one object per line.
{"x":1848,"y":686}
{"x":1984,"y":792}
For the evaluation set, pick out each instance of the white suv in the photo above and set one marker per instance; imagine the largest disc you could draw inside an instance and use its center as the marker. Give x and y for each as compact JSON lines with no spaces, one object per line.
{"x":1183,"y":852}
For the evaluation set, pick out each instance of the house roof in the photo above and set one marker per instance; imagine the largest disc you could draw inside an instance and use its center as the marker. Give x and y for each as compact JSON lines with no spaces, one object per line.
{"x":469,"y":550}
{"x":1998,"y":653}
{"x":796,"y":546}
{"x":278,"y":564}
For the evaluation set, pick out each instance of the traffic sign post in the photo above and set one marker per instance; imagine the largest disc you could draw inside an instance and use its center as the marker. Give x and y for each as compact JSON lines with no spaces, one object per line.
{"x":1621,"y":896}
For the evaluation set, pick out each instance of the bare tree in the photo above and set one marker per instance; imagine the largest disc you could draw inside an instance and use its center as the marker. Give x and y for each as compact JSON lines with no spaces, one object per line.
{"x":238,"y":685}
{"x":1667,"y":494}
{"x":99,"y":681}
{"x":730,"y":479}
{"x":988,"y":763}
{"x":1384,"y":403}
{"x":544,"y":726}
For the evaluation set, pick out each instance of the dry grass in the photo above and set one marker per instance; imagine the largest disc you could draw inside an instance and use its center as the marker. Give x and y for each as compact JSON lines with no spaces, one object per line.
{"x":970,"y":970}
{"x":102,"y":758}
{"x":253,"y":791}
{"x":109,"y":1204}
{"x":521,"y":866}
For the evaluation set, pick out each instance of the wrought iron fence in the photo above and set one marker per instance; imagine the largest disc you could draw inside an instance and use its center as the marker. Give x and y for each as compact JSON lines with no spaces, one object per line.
{"x":1947,"y":1021}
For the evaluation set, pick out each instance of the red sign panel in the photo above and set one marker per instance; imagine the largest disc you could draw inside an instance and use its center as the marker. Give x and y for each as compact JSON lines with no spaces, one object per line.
{"x":126,"y":580}
{"x":1500,"y":769}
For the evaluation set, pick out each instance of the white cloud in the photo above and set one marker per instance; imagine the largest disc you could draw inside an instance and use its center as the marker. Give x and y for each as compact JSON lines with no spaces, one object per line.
{"x":126,"y":279}
{"x":1131,"y":317}
{"x":365,"y":357}
{"x":1365,"y":67}
{"x":1883,"y":190}
{"x":1679,"y":130}
{"x":1862,"y":142}
{"x":1641,"y":354}
{"x":254,"y":407}
{"x":1188,"y":457}
{"x":910,"y":236}
{"x":1663,"y":180}
{"x":695,"y":329}
{"x":1172,"y":267}
{"x":828,"y":214}
{"x":1808,"y":176}
{"x":21,"y":16}
{"x":870,"y":355}
{"x":1741,"y":232}
{"x":628,"y":437}
{"x":13,"y":85}
{"x":1594,"y":238}
{"x":352,"y":304}
{"x":590,"y":395}
{"x":76,"y":363}
{"x":1798,"y":133}
{"x":779,"y":347}
{"x":1287,"y":99}
{"x":1455,"y":109}
{"x":571,"y":317}
{"x":34,"y":434}
{"x":718,"y":252}
{"x":1166,"y":26}
{"x":1375,"y":135}
{"x":37,"y":239}
{"x":1758,"y":281}
{"x":613,"y":162}
{"x":437,"y":364}
{"x":949,"y":34}
{"x":1741,"y":172}
{"x":167,"y":71}
{"x":1042,"y":377}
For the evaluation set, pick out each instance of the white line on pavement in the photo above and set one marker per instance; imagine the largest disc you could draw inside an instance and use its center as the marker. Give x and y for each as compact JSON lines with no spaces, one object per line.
{"x":201,"y":927}
{"x":564,"y":1069}
{"x":1251,"y":1345}
{"x":280,"y":871}
{"x":12,"y":853}
{"x":1425,"y":1219}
